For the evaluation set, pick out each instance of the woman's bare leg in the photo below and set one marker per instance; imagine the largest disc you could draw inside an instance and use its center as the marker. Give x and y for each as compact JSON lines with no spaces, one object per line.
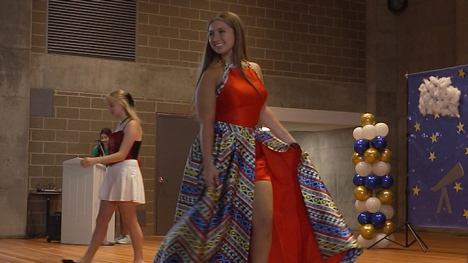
{"x":128,"y":212}
{"x":106,"y":210}
{"x":262,"y":222}
{"x":123,"y":228}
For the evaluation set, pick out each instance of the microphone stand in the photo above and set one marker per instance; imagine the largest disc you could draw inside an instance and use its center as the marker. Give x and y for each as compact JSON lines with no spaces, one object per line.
{"x":102,"y":148}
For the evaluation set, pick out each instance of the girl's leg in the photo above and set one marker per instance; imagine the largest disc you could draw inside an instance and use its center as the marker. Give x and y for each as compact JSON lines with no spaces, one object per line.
{"x":124,"y":236}
{"x":123,"y":227}
{"x":128,"y":212}
{"x":262,"y":222}
{"x":106,"y":210}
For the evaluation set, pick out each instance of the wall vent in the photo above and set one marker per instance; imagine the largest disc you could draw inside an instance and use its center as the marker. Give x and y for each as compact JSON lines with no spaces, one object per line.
{"x":96,"y":28}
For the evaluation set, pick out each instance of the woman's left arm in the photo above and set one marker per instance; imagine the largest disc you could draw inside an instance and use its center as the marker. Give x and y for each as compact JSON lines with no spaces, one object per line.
{"x":268,"y":118}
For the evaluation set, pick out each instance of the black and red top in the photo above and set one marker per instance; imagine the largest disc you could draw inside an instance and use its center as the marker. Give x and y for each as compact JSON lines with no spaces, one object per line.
{"x":115,"y":140}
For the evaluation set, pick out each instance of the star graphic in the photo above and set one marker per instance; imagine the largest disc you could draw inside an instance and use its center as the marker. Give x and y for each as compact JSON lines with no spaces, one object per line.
{"x":436,"y":115}
{"x":465,"y":213}
{"x":460,"y":126}
{"x":461,"y":73}
{"x":416,"y":191}
{"x":457,"y":187}
{"x":432,"y":156}
{"x":433,"y":138}
{"x":417,"y":126}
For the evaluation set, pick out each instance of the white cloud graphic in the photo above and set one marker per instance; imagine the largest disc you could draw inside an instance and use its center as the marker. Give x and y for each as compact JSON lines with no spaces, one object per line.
{"x":437,"y":95}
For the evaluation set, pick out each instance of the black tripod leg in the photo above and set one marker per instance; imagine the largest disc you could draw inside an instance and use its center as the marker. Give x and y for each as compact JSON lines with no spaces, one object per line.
{"x":385,"y":237}
{"x":417,"y":238}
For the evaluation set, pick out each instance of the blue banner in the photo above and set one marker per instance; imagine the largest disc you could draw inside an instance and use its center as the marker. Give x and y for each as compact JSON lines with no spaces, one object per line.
{"x":438,"y":148}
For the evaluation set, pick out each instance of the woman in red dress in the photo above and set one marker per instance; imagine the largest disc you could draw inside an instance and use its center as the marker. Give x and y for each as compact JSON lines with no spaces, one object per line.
{"x":248,"y":195}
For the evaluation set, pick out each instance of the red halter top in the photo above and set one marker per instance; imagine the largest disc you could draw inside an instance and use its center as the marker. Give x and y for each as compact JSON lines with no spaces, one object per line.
{"x":239,"y":102}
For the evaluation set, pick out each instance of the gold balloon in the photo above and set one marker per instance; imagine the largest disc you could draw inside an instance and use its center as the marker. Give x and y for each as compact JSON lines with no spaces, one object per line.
{"x":386,"y":155}
{"x":368,"y":231}
{"x":361,"y":193}
{"x":385,"y":196}
{"x":388,"y":227}
{"x":356,"y":158}
{"x":371,"y":155}
{"x":367,"y":118}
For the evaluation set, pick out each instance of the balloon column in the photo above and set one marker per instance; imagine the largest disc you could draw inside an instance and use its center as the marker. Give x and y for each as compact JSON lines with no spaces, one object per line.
{"x":371,"y":158}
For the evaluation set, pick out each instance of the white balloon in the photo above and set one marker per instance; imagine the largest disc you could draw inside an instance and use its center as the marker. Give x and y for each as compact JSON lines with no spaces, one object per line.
{"x":382,"y":129}
{"x":389,"y":167}
{"x":357,"y":133}
{"x":360,"y":206}
{"x":373,"y":204}
{"x":385,"y":242}
{"x":363,"y":168}
{"x":380,"y":168}
{"x":365,"y":243}
{"x":369,"y":132}
{"x":387,"y":210}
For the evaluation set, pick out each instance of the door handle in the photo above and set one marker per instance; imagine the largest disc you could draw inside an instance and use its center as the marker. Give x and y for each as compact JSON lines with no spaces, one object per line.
{"x":161,"y":180}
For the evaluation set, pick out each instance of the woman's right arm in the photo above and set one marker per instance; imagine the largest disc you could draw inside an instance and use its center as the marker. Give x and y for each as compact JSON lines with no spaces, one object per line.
{"x":205,"y":102}
{"x":95,"y":153}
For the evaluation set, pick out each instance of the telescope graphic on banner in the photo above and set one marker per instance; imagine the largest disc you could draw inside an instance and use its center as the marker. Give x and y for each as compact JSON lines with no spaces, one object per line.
{"x":455,"y":173}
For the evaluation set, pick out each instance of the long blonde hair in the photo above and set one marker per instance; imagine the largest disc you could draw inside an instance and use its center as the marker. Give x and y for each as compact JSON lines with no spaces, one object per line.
{"x":210,"y":57}
{"x":126,"y":100}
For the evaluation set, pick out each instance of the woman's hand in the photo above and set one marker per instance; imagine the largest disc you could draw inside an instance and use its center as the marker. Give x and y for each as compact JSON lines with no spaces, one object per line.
{"x":210,"y":175}
{"x":87,"y":161}
{"x":294,"y":145}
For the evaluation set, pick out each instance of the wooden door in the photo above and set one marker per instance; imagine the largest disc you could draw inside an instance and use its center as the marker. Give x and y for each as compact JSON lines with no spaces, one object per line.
{"x":174,"y":136}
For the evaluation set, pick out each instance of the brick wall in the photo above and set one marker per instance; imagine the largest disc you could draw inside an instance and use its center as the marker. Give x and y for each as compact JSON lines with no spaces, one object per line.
{"x":321,"y":40}
{"x":39,"y":24}
{"x":315,"y":39}
{"x":78,"y":119}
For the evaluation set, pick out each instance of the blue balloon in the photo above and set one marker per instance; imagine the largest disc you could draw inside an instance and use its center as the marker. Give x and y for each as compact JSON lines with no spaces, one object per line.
{"x":372,"y":181}
{"x":378,"y":219}
{"x":386,"y":181}
{"x":379,"y":143}
{"x":358,"y":180}
{"x":364,"y":218}
{"x":361,"y":145}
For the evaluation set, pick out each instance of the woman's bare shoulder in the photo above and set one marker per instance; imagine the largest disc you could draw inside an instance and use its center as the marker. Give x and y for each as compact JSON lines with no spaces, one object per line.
{"x":215,"y":69}
{"x":256,"y":67}
{"x":134,"y":128}
{"x":214,"y":73}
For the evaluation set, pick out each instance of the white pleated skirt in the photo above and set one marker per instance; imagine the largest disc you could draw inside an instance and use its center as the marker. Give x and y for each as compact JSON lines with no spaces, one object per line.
{"x":123,"y":181}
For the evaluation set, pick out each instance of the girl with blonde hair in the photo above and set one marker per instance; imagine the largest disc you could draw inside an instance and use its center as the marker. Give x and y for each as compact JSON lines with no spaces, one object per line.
{"x":122,"y":186}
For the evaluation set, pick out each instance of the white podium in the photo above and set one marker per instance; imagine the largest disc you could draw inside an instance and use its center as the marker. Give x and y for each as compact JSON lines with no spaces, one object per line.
{"x":80,"y":203}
